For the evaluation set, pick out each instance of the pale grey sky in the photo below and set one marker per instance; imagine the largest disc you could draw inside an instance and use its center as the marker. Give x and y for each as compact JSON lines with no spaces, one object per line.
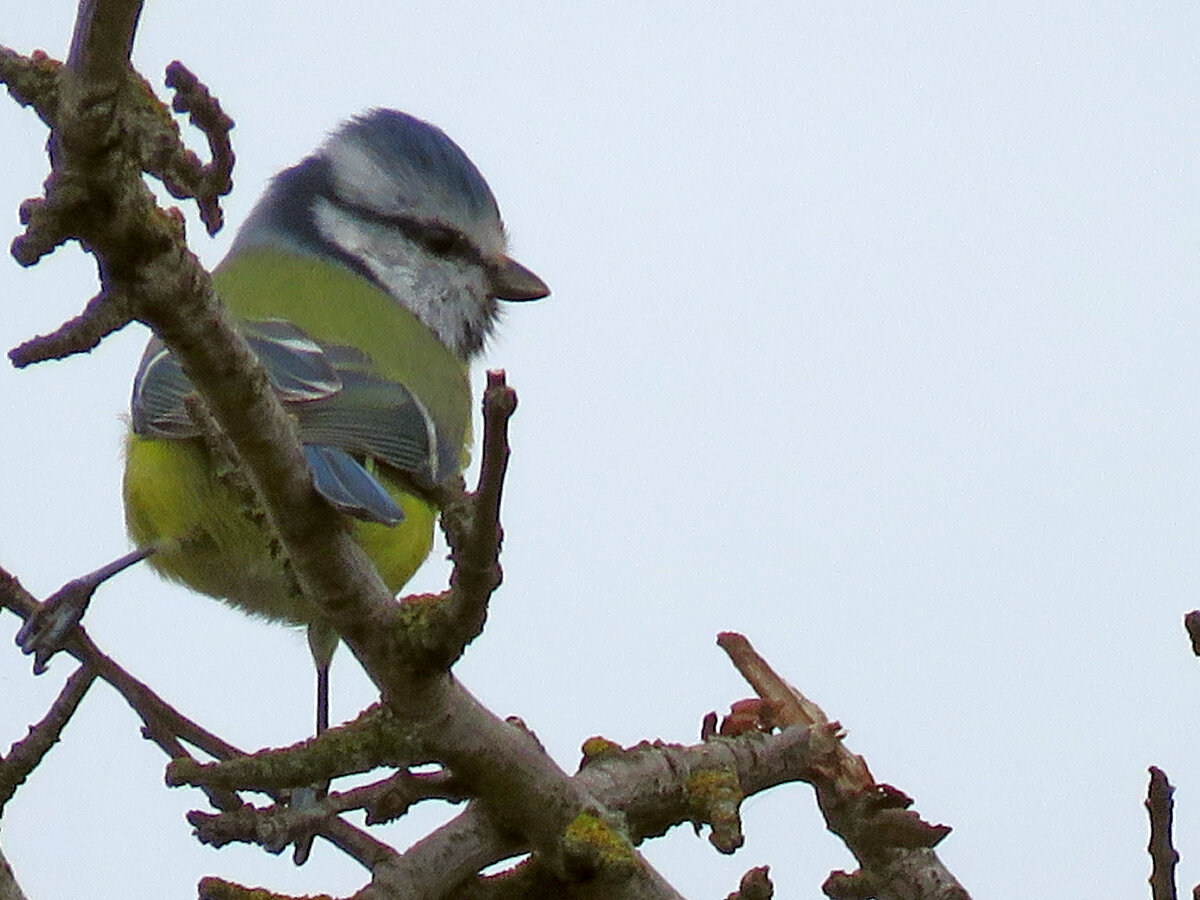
{"x":873,"y":336}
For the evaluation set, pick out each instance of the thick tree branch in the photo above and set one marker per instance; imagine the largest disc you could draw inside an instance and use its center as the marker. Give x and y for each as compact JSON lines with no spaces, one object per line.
{"x":651,"y":786}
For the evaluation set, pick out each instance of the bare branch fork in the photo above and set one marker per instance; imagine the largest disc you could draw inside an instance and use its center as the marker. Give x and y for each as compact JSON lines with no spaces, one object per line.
{"x":653,"y":786}
{"x":892,"y":844}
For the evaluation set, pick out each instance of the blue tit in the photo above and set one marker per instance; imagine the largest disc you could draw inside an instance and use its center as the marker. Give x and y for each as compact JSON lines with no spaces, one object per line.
{"x":366,"y":278}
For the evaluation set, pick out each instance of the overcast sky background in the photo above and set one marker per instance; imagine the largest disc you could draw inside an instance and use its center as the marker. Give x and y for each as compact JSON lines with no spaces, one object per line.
{"x":873,"y":336}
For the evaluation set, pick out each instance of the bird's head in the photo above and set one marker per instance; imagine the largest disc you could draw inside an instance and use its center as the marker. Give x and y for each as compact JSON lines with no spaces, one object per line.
{"x":393,"y":198}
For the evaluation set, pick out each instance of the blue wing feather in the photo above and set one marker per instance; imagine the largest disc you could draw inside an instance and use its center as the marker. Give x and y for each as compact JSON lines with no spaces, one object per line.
{"x":343,"y":481}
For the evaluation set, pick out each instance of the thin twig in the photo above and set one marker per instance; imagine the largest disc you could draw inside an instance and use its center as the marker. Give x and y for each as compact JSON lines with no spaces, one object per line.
{"x":373,"y":739}
{"x":103,"y":315}
{"x":448,"y":622}
{"x":23,"y":757}
{"x":1163,"y":856}
{"x":185,"y":176}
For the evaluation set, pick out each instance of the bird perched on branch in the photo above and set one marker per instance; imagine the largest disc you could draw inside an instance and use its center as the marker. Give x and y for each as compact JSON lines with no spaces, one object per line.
{"x":366,"y":278}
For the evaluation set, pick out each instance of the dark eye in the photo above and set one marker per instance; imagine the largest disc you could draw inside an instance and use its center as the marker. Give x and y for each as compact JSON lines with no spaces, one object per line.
{"x":443,"y":241}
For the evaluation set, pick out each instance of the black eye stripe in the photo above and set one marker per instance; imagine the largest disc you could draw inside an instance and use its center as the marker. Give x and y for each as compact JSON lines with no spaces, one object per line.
{"x":438,"y":238}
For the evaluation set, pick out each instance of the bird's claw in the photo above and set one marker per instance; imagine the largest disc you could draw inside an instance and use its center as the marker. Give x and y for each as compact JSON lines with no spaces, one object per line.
{"x":305,"y":798}
{"x":45,"y":632}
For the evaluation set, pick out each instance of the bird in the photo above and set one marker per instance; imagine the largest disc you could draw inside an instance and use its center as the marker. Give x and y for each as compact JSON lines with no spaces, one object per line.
{"x":366,"y":278}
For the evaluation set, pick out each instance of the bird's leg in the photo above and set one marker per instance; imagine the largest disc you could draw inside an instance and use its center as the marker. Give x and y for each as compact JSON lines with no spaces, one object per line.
{"x":323,"y":696}
{"x":45,"y":632}
{"x":322,"y":641}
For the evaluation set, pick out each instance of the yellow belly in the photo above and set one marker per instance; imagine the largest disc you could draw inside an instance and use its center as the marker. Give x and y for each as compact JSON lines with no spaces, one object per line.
{"x":212,"y":543}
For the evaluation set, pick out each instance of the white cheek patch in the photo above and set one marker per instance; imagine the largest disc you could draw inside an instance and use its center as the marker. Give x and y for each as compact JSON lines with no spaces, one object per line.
{"x":449,"y":296}
{"x":340,"y":230}
{"x":376,"y":247}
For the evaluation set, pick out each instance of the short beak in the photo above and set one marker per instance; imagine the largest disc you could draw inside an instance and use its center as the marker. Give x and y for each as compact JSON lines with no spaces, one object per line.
{"x":512,"y":281}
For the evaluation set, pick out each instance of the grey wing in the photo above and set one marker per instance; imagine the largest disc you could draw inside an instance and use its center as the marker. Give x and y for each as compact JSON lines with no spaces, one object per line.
{"x":159,"y":389}
{"x":344,"y":416}
{"x":296,"y":366}
{"x":371,"y":416}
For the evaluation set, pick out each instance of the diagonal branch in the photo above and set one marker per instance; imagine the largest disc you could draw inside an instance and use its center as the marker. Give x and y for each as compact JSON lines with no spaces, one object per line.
{"x":9,"y":889}
{"x":159,"y":717}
